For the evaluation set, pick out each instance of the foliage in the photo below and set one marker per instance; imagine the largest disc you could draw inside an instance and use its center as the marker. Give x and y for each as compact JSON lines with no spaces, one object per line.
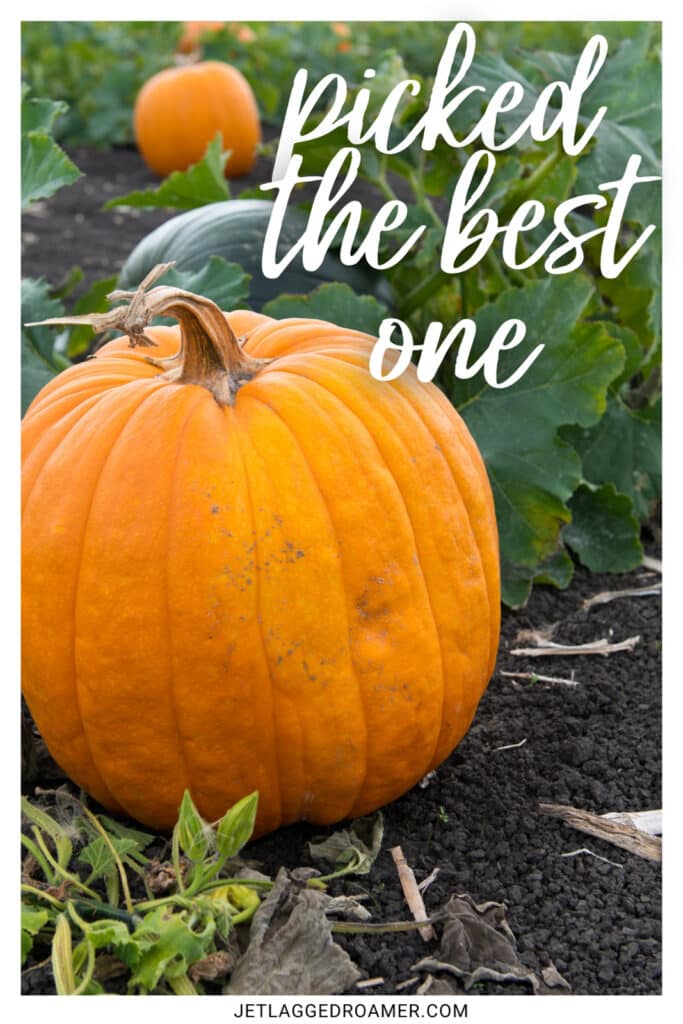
{"x":45,"y":167}
{"x":202,"y":183}
{"x":111,"y":901}
{"x":573,"y":449}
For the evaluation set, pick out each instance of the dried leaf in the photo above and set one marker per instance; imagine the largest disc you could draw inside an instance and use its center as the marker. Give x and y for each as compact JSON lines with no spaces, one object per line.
{"x":291,"y":950}
{"x":477,"y":944}
{"x":354,"y":848}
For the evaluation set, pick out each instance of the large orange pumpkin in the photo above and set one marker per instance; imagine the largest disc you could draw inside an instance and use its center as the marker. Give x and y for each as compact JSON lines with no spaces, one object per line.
{"x":179,"y":111}
{"x":252,"y":567}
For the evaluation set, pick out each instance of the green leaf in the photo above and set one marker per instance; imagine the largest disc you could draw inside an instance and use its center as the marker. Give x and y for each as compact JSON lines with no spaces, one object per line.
{"x":38,"y":362}
{"x":32,"y":921}
{"x":337,"y":303}
{"x":78,"y":339}
{"x":140,"y":838}
{"x":45,"y":168}
{"x":225,"y":283}
{"x":236,"y":826}
{"x":39,"y":115}
{"x":624,"y":449}
{"x":165,"y":944}
{"x":604,"y":533}
{"x":352,"y":850}
{"x":107,"y":932}
{"x":202,"y":183}
{"x":533,"y":472}
{"x":98,"y":856}
{"x":193,"y":831}
{"x":57,"y":833}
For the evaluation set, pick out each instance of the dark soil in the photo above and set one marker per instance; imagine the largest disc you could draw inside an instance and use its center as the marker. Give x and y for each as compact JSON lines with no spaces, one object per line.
{"x":594,"y":746}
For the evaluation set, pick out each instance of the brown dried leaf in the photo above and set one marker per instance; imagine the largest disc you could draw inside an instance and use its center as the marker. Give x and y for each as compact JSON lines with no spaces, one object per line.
{"x":477,"y":944}
{"x":291,"y":950}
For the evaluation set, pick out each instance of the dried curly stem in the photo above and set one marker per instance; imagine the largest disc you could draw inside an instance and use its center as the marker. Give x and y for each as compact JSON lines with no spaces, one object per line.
{"x":210,"y":354}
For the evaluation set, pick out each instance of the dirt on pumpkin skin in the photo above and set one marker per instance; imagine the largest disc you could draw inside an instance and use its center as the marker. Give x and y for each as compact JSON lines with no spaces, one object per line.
{"x":595,"y":745}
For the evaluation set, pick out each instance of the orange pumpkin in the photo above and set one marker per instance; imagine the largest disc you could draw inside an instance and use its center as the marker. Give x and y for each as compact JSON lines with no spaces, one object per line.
{"x":179,"y":111}
{"x":193,"y":32}
{"x":251,"y":566}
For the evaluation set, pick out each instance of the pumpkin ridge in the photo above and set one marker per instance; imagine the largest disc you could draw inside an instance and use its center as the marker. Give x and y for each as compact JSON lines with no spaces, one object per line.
{"x":130,"y":419}
{"x":173,"y":702}
{"x":288,"y":362}
{"x":257,"y":598}
{"x":413,"y":531}
{"x":477,"y":546}
{"x":96,"y":770}
{"x":476,"y":462}
{"x":80,"y":409}
{"x":324,"y":504}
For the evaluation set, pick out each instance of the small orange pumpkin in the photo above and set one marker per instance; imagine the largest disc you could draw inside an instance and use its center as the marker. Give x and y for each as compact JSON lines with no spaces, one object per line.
{"x":179,"y":111}
{"x":193,"y":32}
{"x":251,"y":566}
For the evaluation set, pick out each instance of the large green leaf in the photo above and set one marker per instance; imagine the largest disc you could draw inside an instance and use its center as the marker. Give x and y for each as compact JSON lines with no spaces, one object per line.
{"x":225,"y":283}
{"x":200,"y":184}
{"x":337,"y":303}
{"x":45,"y":167}
{"x":532,"y":471}
{"x":603,"y":532}
{"x":624,"y":449}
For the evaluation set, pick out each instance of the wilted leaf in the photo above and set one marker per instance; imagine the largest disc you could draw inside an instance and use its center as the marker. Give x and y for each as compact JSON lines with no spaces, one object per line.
{"x":477,"y":944}
{"x":354,"y":848}
{"x":291,"y":950}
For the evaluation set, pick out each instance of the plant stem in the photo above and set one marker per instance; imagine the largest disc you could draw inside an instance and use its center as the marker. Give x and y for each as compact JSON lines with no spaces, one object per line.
{"x":117,"y":860}
{"x":528,"y":186}
{"x":347,"y":928}
{"x":57,"y":904}
{"x":182,"y":986}
{"x":38,"y":856}
{"x":62,"y":872}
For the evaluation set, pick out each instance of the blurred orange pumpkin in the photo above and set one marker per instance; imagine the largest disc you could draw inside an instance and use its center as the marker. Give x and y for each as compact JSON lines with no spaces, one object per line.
{"x":180,"y":110}
{"x":341,"y":29}
{"x":193,"y":31}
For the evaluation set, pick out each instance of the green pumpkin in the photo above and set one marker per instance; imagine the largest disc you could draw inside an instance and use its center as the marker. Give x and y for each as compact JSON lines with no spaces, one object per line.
{"x":236,"y":229}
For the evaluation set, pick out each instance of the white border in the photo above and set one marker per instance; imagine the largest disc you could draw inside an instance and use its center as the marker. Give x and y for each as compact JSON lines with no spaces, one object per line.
{"x":480,"y":1008}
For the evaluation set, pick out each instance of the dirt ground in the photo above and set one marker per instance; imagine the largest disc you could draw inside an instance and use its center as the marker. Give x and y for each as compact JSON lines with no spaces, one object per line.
{"x":595,"y":745}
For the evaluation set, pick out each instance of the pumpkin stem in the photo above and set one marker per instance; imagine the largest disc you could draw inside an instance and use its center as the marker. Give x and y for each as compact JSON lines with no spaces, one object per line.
{"x":210,"y":354}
